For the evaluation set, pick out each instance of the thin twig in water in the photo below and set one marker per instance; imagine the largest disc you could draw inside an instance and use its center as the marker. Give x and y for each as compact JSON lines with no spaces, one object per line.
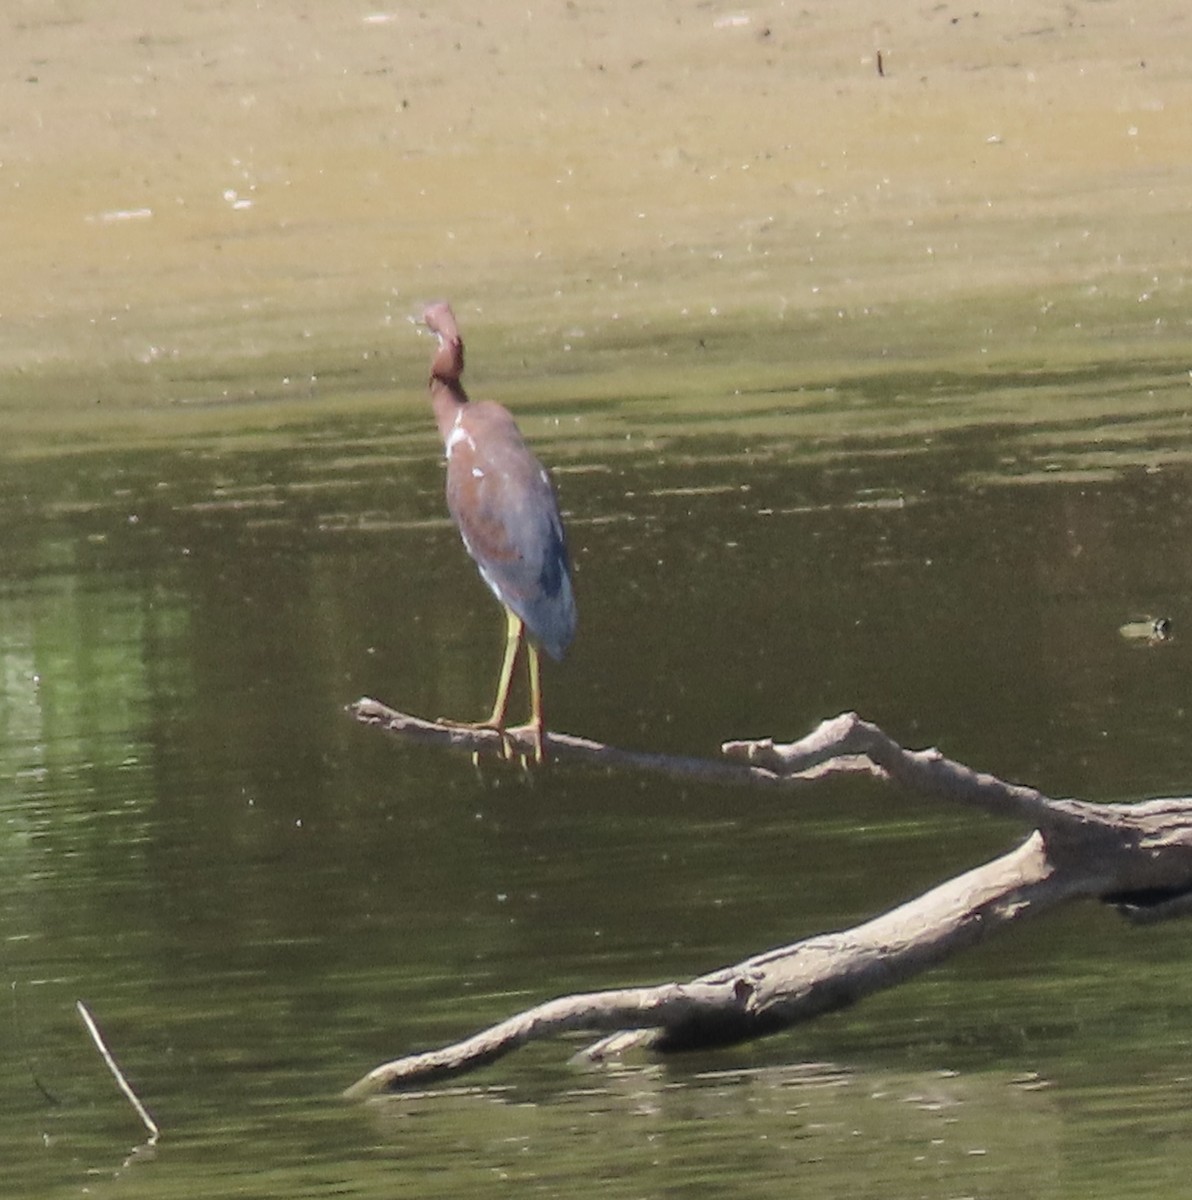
{"x":125,"y":1087}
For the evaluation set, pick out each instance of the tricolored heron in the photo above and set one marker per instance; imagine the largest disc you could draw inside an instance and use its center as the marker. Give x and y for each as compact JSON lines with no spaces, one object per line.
{"x":504,"y":505}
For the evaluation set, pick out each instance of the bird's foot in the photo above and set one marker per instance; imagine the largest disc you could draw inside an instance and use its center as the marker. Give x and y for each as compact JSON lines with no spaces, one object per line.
{"x":509,"y":739}
{"x":534,"y":732}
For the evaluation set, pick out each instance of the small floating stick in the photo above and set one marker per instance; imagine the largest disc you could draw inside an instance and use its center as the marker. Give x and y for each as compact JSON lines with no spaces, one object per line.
{"x":125,"y":1087}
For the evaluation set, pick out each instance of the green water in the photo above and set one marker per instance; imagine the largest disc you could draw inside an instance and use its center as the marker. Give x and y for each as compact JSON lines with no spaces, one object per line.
{"x":260,"y":901}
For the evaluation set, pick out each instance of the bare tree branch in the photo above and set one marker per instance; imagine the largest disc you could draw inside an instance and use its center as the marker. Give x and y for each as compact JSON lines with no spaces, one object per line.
{"x":664,"y":1005}
{"x":559,"y":746}
{"x":1137,"y":856}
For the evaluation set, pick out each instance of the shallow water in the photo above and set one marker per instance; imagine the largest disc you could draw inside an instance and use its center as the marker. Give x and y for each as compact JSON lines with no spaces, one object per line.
{"x":260,"y":900}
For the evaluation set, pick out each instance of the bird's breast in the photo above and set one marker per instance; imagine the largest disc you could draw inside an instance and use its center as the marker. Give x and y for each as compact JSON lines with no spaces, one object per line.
{"x":459,"y":436}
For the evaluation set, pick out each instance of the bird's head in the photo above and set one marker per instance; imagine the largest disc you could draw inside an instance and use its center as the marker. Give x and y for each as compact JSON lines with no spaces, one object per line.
{"x":448,"y":362}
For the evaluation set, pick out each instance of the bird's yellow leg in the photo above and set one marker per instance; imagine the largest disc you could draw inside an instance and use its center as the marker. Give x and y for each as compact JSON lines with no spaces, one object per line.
{"x":514,"y":630}
{"x":513,"y":640}
{"x":536,"y":718}
{"x":536,"y":724}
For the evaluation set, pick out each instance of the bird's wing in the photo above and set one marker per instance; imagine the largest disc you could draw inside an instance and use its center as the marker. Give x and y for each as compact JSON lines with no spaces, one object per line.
{"x":505,"y":507}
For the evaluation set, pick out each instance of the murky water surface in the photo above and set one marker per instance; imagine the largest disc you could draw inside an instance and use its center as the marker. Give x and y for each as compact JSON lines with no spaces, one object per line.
{"x":260,"y":900}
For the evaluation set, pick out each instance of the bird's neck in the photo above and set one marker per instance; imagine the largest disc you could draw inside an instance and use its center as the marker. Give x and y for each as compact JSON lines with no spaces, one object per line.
{"x":448,"y":362}
{"x":446,"y":392}
{"x":448,"y":398}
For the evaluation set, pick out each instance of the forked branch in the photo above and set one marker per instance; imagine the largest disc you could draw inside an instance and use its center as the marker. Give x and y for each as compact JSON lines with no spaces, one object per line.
{"x":1137,"y":856}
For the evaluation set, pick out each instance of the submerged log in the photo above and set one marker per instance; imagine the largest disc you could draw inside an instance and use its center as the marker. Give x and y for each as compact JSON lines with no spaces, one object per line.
{"x":1137,"y":857}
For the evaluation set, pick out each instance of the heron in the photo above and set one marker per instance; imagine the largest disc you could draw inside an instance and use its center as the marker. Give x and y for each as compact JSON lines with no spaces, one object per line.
{"x":505,"y":507}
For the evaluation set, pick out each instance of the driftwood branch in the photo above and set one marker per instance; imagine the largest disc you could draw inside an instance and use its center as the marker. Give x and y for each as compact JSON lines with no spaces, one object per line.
{"x":1135,"y":856}
{"x":558,"y":746}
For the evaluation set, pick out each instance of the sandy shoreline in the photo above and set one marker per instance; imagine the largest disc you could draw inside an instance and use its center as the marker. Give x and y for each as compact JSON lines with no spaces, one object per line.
{"x":225,"y":181}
